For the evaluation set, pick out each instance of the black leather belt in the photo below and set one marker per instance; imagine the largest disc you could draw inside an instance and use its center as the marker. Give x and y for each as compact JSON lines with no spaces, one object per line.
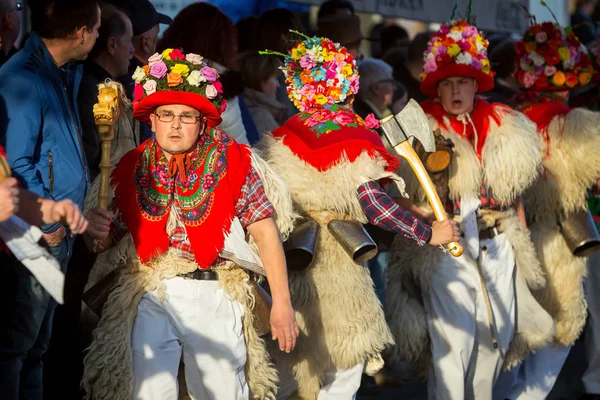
{"x":488,"y":233}
{"x":201,"y":275}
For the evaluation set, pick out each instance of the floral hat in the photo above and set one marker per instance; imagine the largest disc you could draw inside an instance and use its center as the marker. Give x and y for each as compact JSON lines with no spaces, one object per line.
{"x":552,"y":58}
{"x":318,"y":72}
{"x":173,"y":77}
{"x":456,"y":49}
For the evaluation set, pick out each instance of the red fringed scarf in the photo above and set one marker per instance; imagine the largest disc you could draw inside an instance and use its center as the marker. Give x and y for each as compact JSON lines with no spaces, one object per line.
{"x":206,"y":194}
{"x":543,"y":114}
{"x":322,"y":138}
{"x":481,"y":115}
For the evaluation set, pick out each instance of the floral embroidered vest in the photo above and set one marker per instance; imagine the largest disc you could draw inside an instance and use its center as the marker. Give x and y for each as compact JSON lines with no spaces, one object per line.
{"x":145,"y":191}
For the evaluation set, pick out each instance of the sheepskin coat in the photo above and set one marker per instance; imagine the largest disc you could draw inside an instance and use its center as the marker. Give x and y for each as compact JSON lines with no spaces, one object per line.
{"x":509,"y":164}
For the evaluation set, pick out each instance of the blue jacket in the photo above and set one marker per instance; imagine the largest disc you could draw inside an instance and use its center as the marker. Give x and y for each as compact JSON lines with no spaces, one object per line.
{"x":39,"y":124}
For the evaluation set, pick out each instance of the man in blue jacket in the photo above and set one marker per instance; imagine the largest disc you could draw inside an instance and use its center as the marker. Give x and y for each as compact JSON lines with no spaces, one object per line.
{"x":42,"y":136}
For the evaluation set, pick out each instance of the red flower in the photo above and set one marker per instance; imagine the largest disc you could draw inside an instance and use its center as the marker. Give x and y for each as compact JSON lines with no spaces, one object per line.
{"x":177,"y":54}
{"x":548,"y":27}
{"x":552,"y":58}
{"x":520,"y":48}
{"x":555,"y":43}
{"x":543,"y":50}
{"x":138,"y":93}
{"x":443,"y":60}
{"x":328,"y":44}
{"x":223,"y":107}
{"x":541,"y":82}
{"x":2,"y":153}
{"x":521,"y":77}
{"x":556,"y":34}
{"x":218,"y":86}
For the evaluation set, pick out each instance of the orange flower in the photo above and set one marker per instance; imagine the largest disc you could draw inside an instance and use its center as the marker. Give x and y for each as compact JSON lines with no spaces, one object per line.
{"x":146,"y":69}
{"x":559,"y":78}
{"x":585,"y":78}
{"x":529,"y":47}
{"x":174,"y":79}
{"x":572,"y":80}
{"x":306,"y":77}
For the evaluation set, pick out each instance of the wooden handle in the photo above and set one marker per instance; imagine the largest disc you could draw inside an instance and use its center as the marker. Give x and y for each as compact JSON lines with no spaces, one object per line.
{"x":406,"y":151}
{"x":106,"y":135}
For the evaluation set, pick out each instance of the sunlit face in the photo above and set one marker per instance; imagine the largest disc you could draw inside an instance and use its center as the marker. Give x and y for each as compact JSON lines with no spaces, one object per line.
{"x":457,"y":94}
{"x":270,"y":86}
{"x":176,"y":137}
{"x":384,"y":90}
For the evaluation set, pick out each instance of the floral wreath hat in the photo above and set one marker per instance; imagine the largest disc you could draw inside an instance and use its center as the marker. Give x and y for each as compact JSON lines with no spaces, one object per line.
{"x":173,"y":77}
{"x":550,"y":58}
{"x":318,"y":73}
{"x":456,"y":49}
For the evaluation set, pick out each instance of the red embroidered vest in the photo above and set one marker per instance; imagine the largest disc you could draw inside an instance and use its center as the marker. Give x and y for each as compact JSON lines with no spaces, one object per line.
{"x":144,"y":192}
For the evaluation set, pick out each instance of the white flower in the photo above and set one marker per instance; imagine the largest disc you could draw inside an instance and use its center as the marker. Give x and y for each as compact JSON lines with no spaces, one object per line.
{"x":194,"y":78}
{"x":480,"y":48}
{"x":464,"y":58}
{"x":156,"y":57}
{"x":568,"y":64}
{"x":524,"y":65}
{"x":194,"y":59}
{"x":456,"y":35}
{"x":537,"y":59}
{"x":139,"y":75}
{"x":150,"y":87}
{"x":430,"y":56}
{"x":211,"y":92}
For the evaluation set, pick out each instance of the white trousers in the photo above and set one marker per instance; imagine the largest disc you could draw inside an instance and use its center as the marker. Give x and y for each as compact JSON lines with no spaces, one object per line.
{"x":338,"y":384}
{"x":199,"y":322}
{"x":534,"y":378}
{"x":465,"y":365}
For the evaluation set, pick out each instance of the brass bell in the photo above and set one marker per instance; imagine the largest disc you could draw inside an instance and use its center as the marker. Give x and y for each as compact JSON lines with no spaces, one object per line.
{"x":300,"y":247}
{"x":580,"y":233}
{"x":353,"y":237}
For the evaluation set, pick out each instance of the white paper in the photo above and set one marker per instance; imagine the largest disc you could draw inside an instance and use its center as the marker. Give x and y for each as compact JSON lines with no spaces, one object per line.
{"x":22,"y":240}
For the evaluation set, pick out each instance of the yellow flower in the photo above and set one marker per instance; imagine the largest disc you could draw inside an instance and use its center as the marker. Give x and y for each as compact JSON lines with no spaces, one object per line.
{"x":166,"y":53}
{"x":453,"y":50}
{"x":181,"y":69}
{"x":347,"y":70}
{"x":320,"y":99}
{"x":564,"y":53}
{"x":327,"y":55}
{"x":296,"y":54}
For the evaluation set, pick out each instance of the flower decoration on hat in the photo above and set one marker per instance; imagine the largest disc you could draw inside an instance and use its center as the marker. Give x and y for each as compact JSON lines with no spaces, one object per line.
{"x":172,"y":77}
{"x":550,"y":57}
{"x":318,"y":73}
{"x":456,"y":49}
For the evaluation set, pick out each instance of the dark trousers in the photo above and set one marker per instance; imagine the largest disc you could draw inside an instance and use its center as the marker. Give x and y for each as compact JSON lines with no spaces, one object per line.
{"x":26,"y":312}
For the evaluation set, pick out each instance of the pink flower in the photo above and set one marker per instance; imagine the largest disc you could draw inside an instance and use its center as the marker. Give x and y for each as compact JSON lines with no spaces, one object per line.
{"x":541,"y":37}
{"x":354,"y":85}
{"x":469,"y":31}
{"x":150,"y":87}
{"x":528,"y":80}
{"x":138,"y":92}
{"x":158,"y":70}
{"x":444,"y":29}
{"x":549,"y":70}
{"x":464,"y":45}
{"x":371,"y":122}
{"x":177,"y":54}
{"x":211,"y":92}
{"x":538,"y":70}
{"x":218,"y":86}
{"x":193,"y":58}
{"x":343,"y":119}
{"x":430,"y":66}
{"x":209,"y":73}
{"x":306,"y":62}
{"x":156,"y":57}
{"x":440,"y":50}
{"x":476,"y":63}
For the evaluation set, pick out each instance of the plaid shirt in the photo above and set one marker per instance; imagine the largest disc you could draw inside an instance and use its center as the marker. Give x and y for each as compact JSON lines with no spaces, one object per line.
{"x":252,"y":206}
{"x":382,"y":211}
{"x":486,"y":196}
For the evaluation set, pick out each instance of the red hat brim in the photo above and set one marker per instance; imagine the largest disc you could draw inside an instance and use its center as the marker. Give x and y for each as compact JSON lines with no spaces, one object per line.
{"x":146,"y":106}
{"x":485,"y":82}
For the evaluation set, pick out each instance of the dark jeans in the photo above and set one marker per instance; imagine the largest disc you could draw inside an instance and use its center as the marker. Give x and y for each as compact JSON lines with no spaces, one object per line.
{"x":26,"y":312}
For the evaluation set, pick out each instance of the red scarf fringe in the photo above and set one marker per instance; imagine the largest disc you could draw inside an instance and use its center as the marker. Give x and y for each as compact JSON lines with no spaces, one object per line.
{"x":543,"y":114}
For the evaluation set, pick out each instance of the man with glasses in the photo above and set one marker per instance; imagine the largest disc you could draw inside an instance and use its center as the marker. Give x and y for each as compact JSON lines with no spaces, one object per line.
{"x":187,"y":199}
{"x":10,"y":26}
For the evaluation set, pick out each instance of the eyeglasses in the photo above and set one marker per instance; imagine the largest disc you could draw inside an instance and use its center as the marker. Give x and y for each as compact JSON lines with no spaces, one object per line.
{"x":183,"y":118}
{"x":18,"y":7}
